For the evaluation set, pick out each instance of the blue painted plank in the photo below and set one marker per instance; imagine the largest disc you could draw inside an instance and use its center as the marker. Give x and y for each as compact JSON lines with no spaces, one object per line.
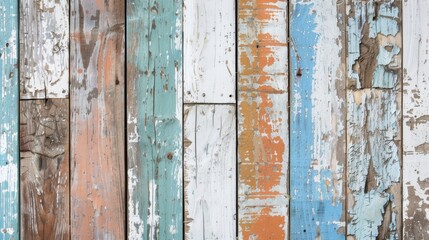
{"x":9,"y":179}
{"x":154,"y":106}
{"x":317,"y":141}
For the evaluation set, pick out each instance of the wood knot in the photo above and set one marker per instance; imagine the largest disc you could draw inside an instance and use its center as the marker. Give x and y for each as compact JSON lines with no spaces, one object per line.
{"x":299,"y":73}
{"x":169,"y":155}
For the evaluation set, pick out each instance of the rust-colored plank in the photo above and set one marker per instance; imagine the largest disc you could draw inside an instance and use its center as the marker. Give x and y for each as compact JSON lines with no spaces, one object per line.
{"x":44,"y":147}
{"x":263,"y":119}
{"x":97,"y":120}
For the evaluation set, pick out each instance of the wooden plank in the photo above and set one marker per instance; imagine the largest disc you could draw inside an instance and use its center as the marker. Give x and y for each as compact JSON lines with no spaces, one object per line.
{"x":210,"y":171}
{"x":44,"y":164}
{"x":44,"y":49}
{"x":209,"y":51}
{"x":318,"y":120}
{"x":374,"y":119}
{"x":9,"y":95}
{"x":154,"y":118}
{"x":263,"y":119}
{"x":97,"y":120}
{"x":416,"y":120}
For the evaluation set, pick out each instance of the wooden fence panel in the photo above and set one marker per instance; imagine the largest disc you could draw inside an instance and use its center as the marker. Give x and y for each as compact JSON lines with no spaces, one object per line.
{"x":97,"y":120}
{"x":44,"y":49}
{"x":9,"y":102}
{"x":318,"y":120}
{"x":154,"y":119}
{"x":374,"y":119}
{"x":44,"y":164}
{"x":209,"y":51}
{"x":263,"y":119}
{"x":210,"y":172}
{"x":416,"y":120}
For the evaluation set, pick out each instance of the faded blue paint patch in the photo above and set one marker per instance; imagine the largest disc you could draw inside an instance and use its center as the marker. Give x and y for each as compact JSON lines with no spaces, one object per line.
{"x":9,"y":97}
{"x":314,"y":212}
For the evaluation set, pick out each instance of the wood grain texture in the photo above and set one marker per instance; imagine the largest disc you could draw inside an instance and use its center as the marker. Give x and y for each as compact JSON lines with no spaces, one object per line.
{"x":44,"y":164}
{"x":97,"y":120}
{"x":263,"y":119}
{"x":318,"y":120}
{"x":154,"y":119}
{"x":374,"y":119}
{"x":44,"y":49}
{"x":416,"y":120}
{"x":209,"y":51}
{"x":210,"y":171}
{"x":9,"y":98}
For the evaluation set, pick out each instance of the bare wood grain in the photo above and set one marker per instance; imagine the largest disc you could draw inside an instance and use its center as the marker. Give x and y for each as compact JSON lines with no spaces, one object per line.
{"x":44,"y":148}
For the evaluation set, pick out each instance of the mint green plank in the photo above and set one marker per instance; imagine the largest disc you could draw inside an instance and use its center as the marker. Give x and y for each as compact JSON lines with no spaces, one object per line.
{"x":9,"y":180}
{"x":154,"y":118}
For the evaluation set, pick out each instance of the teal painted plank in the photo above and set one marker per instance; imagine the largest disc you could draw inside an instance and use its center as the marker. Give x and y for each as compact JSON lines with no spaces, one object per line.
{"x":154,"y":118}
{"x":317,"y":120}
{"x":9,"y":179}
{"x":374,"y":119}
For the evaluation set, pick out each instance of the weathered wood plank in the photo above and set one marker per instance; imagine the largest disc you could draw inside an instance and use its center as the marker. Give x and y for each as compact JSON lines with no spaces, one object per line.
{"x":416,"y":120}
{"x":154,"y":118}
{"x":263,"y":119}
{"x":97,"y":120}
{"x":374,"y":119}
{"x":44,"y":49}
{"x":9,"y":98}
{"x":210,"y":171}
{"x":209,"y":51}
{"x":44,"y":164}
{"x":318,"y":119}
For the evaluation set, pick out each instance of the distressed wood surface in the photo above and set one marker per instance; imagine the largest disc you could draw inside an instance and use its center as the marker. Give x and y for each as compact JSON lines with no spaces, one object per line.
{"x":263,"y":119}
{"x":209,"y":51}
{"x":9,"y":95}
{"x":210,"y":171}
{"x":44,"y":49}
{"x":154,"y":119}
{"x":97,"y":120}
{"x":44,"y":164}
{"x":318,"y":120}
{"x":416,"y":120}
{"x":374,"y":119}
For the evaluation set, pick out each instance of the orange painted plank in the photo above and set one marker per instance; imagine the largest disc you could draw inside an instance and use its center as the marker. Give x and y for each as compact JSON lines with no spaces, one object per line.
{"x":97,"y":120}
{"x":263,"y":119}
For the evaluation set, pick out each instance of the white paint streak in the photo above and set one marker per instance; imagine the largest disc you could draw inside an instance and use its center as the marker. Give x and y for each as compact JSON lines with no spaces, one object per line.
{"x":8,"y":177}
{"x":210,"y":166}
{"x":209,"y":51}
{"x":44,"y":46}
{"x":135,"y":222}
{"x":416,"y":119}
{"x":153,"y":217}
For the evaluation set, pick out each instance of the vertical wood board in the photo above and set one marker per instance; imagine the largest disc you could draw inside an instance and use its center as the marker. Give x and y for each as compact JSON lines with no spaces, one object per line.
{"x":318,"y":120}
{"x":210,"y":172}
{"x":374,"y":119}
{"x":263,"y":119}
{"x":97,"y":120}
{"x":416,"y":120}
{"x":44,"y":164}
{"x":44,"y":49}
{"x":209,"y":51}
{"x":9,"y":95}
{"x":154,"y":119}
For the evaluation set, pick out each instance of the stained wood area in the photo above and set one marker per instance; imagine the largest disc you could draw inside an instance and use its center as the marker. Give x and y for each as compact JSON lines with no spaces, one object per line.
{"x":97,"y":119}
{"x":44,"y":165}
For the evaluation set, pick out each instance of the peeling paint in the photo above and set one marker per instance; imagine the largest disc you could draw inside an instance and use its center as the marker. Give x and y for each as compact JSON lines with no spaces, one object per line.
{"x":373,"y":120}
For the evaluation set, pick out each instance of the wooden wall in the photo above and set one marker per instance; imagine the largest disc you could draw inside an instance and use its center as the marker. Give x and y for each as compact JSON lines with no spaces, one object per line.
{"x":214,"y":119}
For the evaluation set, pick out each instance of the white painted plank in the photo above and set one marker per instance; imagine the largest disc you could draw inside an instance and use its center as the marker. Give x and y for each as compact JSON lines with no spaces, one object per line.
{"x":416,"y":119}
{"x":210,"y":172}
{"x":209,"y":51}
{"x":44,"y":44}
